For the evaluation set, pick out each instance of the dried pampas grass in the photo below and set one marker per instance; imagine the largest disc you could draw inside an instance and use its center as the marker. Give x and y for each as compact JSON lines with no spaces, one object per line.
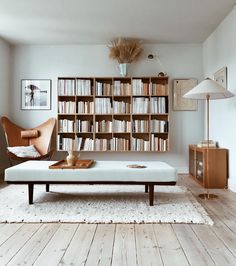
{"x":125,"y":50}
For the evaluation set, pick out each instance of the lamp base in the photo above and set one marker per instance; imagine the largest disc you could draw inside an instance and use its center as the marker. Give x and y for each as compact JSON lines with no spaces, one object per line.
{"x":207,"y":196}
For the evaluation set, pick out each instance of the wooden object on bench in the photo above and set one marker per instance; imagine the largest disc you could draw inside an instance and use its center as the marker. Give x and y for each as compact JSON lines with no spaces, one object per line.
{"x":80,"y":164}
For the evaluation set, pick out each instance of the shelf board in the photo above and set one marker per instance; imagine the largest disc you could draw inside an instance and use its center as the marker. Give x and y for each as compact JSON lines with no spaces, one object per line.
{"x":103,"y":96}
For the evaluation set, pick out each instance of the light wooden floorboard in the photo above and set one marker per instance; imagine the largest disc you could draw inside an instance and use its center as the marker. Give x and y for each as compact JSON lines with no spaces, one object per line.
{"x":127,"y":244}
{"x":124,"y":252}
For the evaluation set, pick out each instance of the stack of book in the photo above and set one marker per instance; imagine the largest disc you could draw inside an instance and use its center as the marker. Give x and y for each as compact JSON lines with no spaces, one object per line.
{"x":103,"y":88}
{"x":159,"y":126}
{"x":140,"y":126}
{"x":122,"y":89}
{"x":65,"y":125}
{"x":120,"y":107}
{"x":66,"y":87}
{"x":66,"y":107}
{"x":140,"y":105}
{"x":103,"y":126}
{"x":83,"y":87}
{"x":84,"y":126}
{"x":85,"y":107}
{"x":121,"y":126}
{"x":103,"y":106}
{"x":158,"y":105}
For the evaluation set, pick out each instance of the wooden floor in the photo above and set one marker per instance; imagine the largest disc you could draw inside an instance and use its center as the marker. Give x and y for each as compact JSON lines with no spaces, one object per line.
{"x":127,"y":244}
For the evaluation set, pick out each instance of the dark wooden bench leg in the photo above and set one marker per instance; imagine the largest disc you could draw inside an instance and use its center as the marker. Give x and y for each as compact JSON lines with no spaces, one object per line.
{"x":31,"y":193}
{"x":146,"y":188}
{"x":47,"y":187}
{"x":151,"y":194}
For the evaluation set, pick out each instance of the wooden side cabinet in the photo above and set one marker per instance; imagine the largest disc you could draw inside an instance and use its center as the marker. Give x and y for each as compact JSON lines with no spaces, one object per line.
{"x":209,"y":167}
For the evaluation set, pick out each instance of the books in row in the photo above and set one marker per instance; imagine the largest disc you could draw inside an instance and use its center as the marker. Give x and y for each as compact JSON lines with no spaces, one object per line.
{"x":103,"y":106}
{"x":122,"y":89}
{"x":84,"y":126}
{"x":103,"y":126}
{"x":140,"y":105}
{"x":159,"y":89}
{"x":83,"y":87}
{"x":65,"y":125}
{"x":66,"y":107}
{"x":121,"y":107}
{"x":85,"y":107}
{"x":158,"y":105}
{"x":160,"y":126}
{"x":139,"y":87}
{"x":103,"y":88}
{"x":121,"y":126}
{"x":66,"y":87}
{"x":158,"y":144}
{"x":140,"y":125}
{"x":114,"y":144}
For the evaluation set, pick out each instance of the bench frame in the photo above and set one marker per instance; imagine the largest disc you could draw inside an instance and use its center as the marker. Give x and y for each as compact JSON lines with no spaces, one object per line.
{"x":149,"y":186}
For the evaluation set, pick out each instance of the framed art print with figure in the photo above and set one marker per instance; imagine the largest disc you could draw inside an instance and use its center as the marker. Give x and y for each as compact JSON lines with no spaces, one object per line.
{"x":36,"y":94}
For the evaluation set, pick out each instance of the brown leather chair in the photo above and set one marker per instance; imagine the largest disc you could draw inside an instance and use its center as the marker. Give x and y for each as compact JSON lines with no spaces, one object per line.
{"x":42,"y":142}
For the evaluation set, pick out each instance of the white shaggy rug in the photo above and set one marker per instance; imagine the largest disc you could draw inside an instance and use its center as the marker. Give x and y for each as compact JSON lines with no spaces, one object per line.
{"x":101,"y":204}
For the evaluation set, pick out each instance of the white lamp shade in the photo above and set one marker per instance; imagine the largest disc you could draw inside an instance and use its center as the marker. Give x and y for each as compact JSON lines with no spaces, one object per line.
{"x":208,"y":88}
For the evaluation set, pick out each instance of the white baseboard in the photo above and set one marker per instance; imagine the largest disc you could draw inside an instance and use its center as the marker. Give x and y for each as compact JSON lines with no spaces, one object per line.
{"x":232,"y":184}
{"x":182,"y":169}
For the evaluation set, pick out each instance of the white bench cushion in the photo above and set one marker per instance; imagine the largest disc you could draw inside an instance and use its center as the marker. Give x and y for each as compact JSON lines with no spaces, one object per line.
{"x":101,"y":171}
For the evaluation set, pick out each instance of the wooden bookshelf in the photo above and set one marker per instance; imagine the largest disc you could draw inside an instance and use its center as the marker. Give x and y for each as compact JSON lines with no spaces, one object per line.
{"x":113,"y":114}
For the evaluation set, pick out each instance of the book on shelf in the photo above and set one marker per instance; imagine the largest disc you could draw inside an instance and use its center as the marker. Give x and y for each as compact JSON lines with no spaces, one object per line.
{"x":103,"y":106}
{"x":159,"y":126}
{"x":85,"y":144}
{"x":65,"y":143}
{"x":140,"y":126}
{"x":121,"y":107}
{"x":66,"y":107}
{"x":103,"y":88}
{"x":102,"y":144}
{"x":159,"y":89}
{"x":120,"y":144}
{"x":158,"y":105}
{"x":84,"y":126}
{"x":140,"y":105}
{"x":66,"y":87}
{"x":103,"y":126}
{"x":85,"y":107}
{"x":139,"y":87}
{"x":83,"y":87}
{"x":158,"y":144}
{"x":121,"y":126}
{"x":65,"y":125}
{"x":121,"y":88}
{"x":139,"y":144}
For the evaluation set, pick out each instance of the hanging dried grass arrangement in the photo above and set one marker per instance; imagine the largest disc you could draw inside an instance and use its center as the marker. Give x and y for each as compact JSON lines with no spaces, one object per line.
{"x":125,"y":50}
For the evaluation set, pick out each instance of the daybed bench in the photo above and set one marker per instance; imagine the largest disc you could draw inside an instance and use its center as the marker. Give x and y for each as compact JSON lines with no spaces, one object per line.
{"x":102,"y":172}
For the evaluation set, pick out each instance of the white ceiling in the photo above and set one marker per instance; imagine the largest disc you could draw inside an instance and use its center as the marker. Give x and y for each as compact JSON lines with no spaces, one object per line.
{"x":98,"y":21}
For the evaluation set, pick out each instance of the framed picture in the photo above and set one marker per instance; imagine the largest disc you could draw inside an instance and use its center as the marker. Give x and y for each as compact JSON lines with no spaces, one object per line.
{"x":180,"y":87}
{"x":221,"y":77}
{"x":36,"y":94}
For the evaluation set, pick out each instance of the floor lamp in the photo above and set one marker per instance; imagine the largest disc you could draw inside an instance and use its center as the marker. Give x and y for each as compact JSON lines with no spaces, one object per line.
{"x":208,"y":90}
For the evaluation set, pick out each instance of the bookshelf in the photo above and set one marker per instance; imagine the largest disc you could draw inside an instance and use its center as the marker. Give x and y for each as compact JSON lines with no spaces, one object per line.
{"x":113,"y":114}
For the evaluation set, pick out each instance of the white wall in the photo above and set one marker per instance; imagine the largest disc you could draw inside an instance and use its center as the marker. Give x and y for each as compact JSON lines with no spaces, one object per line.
{"x":50,"y":62}
{"x":5,"y":53}
{"x":219,"y":50}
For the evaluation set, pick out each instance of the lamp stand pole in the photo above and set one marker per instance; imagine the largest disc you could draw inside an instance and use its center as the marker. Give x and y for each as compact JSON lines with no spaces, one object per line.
{"x":207,"y":195}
